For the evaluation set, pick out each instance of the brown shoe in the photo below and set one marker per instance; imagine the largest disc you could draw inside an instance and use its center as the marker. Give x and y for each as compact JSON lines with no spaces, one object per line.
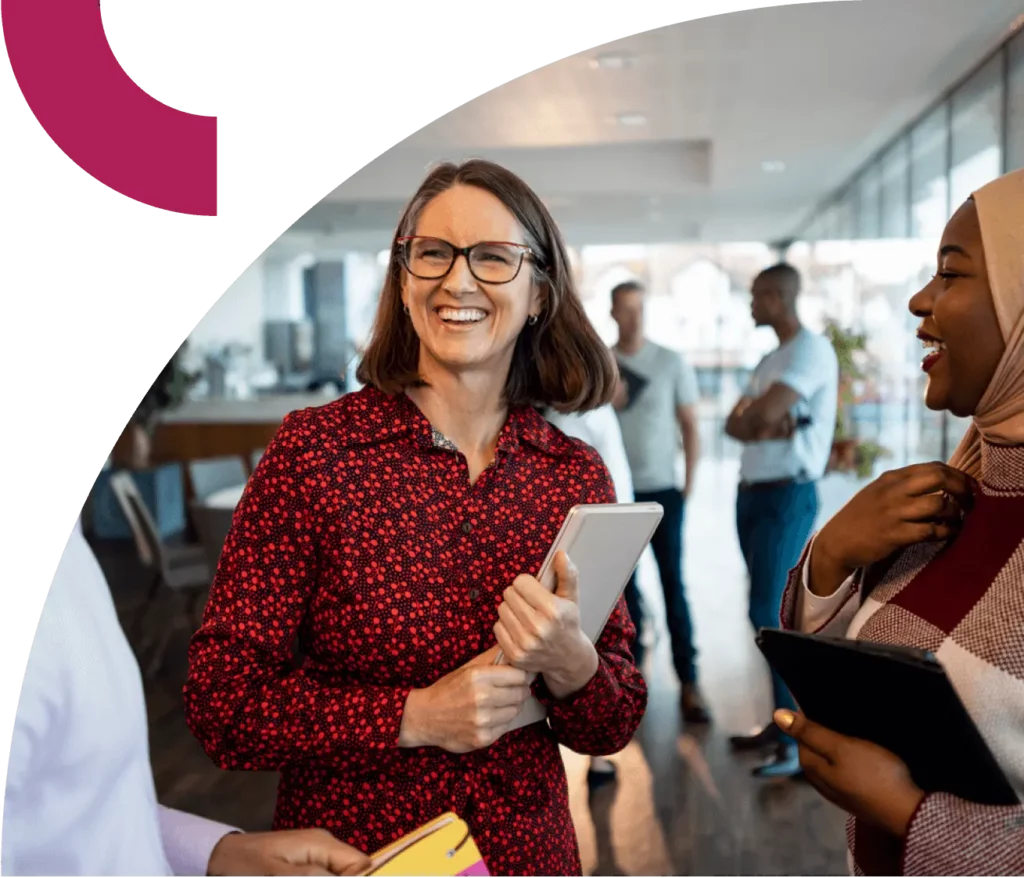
{"x":692,"y":704}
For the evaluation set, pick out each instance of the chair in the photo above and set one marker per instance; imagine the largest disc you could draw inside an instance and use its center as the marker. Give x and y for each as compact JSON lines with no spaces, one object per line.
{"x":183,"y":572}
{"x":215,"y":473}
{"x":256,"y":457}
{"x":212,"y":525}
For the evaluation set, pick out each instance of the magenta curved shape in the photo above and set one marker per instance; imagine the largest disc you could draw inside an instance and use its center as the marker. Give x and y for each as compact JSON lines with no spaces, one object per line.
{"x":99,"y":117}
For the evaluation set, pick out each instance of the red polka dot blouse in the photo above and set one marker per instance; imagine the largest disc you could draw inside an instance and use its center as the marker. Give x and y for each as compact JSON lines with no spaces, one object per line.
{"x":364,"y":540}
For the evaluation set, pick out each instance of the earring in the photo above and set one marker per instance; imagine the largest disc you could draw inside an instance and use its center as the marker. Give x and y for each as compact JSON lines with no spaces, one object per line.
{"x":405,"y":308}
{"x":533,"y":318}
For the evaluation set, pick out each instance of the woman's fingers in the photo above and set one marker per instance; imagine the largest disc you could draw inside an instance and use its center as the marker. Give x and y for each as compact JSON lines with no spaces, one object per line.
{"x":933,"y":507}
{"x":502,"y":716}
{"x":928,"y":532}
{"x":932,"y":478}
{"x":508,"y":615}
{"x":485,"y":677}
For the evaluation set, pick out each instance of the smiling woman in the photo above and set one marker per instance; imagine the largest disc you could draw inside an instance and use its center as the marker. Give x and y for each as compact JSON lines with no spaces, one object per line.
{"x":395,"y":532}
{"x":931,"y":557}
{"x":478,"y":237}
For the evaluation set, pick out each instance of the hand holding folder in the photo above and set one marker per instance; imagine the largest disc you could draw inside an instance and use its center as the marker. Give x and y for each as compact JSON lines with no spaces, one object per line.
{"x":443,"y":847}
{"x":897,"y":698}
{"x":634,"y":381}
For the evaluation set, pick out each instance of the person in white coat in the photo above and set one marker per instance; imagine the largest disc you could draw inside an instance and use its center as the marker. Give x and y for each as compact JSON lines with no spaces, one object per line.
{"x":600,"y":429}
{"x":80,"y":798}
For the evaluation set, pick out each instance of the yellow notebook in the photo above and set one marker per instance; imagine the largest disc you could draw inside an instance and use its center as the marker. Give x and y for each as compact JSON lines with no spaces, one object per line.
{"x":443,"y":847}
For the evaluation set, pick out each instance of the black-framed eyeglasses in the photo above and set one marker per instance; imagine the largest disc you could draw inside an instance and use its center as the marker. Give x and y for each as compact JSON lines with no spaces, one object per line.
{"x":490,"y":262}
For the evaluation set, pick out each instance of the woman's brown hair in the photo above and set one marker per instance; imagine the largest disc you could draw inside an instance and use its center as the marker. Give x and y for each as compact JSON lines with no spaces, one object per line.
{"x":560,"y":361}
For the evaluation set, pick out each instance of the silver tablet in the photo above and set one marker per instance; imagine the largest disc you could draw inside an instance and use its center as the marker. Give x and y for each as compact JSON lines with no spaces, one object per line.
{"x":604,"y":542}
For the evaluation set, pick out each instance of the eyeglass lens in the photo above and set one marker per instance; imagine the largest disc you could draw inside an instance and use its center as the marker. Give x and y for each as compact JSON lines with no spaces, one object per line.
{"x":432,"y":258}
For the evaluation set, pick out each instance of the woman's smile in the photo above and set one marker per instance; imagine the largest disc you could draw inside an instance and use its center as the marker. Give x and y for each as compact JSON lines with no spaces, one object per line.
{"x":934,"y":347}
{"x":460,"y":317}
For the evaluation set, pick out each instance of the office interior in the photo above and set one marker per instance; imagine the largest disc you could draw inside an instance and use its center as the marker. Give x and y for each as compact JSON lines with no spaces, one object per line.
{"x":836,"y":136}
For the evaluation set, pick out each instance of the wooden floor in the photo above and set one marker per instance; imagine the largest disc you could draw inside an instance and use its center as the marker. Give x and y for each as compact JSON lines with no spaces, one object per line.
{"x":684,"y":804}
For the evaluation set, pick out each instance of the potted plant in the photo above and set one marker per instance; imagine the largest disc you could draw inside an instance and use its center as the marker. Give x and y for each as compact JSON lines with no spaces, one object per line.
{"x":848,"y":453}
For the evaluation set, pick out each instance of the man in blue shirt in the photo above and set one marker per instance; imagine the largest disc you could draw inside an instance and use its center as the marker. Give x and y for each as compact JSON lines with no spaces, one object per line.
{"x":786,"y":422}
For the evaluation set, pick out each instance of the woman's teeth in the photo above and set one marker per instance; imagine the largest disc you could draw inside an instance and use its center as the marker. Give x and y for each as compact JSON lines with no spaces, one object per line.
{"x":933,"y":344}
{"x":461,"y":315}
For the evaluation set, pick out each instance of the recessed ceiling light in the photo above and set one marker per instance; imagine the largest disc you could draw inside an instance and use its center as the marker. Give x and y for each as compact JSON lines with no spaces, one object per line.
{"x":773,"y":167}
{"x":631,"y":120}
{"x":612,"y":61}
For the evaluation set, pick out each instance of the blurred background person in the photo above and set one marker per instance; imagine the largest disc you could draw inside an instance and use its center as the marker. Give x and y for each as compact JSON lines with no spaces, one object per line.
{"x":599,"y":428}
{"x":394,"y":532}
{"x":656,"y":407}
{"x":79,"y":798}
{"x":786,"y":421}
{"x":949,"y":545}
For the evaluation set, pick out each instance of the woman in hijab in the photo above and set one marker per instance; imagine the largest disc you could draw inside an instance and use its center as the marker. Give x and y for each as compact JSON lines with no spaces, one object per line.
{"x":945,"y":545}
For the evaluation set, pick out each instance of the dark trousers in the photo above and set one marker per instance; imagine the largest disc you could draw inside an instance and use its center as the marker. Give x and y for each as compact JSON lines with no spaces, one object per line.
{"x":774,"y":524}
{"x":667,"y":545}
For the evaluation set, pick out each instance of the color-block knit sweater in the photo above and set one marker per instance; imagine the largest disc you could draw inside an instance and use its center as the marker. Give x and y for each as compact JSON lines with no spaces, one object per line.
{"x":963,"y":601}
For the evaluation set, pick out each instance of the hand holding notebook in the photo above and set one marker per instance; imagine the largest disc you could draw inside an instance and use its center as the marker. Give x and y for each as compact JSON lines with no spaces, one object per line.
{"x":604,"y":541}
{"x":897,"y":698}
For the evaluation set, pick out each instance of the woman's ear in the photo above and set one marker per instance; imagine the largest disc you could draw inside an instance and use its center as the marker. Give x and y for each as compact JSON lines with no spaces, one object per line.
{"x":540,"y":297}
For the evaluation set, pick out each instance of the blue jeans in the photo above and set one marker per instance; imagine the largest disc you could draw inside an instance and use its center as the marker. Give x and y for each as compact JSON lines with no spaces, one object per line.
{"x":774,"y":525}
{"x":667,"y":544}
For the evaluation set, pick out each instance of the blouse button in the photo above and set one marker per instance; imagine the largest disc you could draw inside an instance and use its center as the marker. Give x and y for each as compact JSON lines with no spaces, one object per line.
{"x":466,"y":527}
{"x":474,"y":593}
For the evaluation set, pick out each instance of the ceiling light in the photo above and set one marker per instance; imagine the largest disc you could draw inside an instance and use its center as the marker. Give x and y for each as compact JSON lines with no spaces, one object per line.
{"x":631,"y":120}
{"x":612,"y":61}
{"x":773,"y":167}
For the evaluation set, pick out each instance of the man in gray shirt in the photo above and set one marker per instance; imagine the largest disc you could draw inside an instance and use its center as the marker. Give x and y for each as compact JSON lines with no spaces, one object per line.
{"x":656,"y":405}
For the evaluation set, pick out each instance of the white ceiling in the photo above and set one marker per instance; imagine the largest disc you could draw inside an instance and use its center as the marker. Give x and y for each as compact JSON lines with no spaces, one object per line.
{"x":820,"y":87}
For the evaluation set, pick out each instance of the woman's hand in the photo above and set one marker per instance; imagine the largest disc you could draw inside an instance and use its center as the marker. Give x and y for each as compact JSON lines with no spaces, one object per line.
{"x":863,"y":779}
{"x":466,"y":710}
{"x":916,"y":504}
{"x":540,"y":632}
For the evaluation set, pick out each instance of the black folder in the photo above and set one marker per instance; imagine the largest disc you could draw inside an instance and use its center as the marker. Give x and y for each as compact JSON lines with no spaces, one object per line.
{"x":634,"y":381}
{"x":896,"y":697}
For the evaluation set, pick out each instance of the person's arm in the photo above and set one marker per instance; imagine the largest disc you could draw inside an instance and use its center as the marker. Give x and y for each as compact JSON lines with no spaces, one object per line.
{"x":732,"y":423}
{"x":687,"y":396}
{"x":769,"y":416}
{"x":189,"y":840}
{"x":950,"y":836}
{"x":243,"y":701}
{"x":765,"y":417}
{"x":736,"y":428}
{"x":803,"y":610}
{"x":602,"y":717}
